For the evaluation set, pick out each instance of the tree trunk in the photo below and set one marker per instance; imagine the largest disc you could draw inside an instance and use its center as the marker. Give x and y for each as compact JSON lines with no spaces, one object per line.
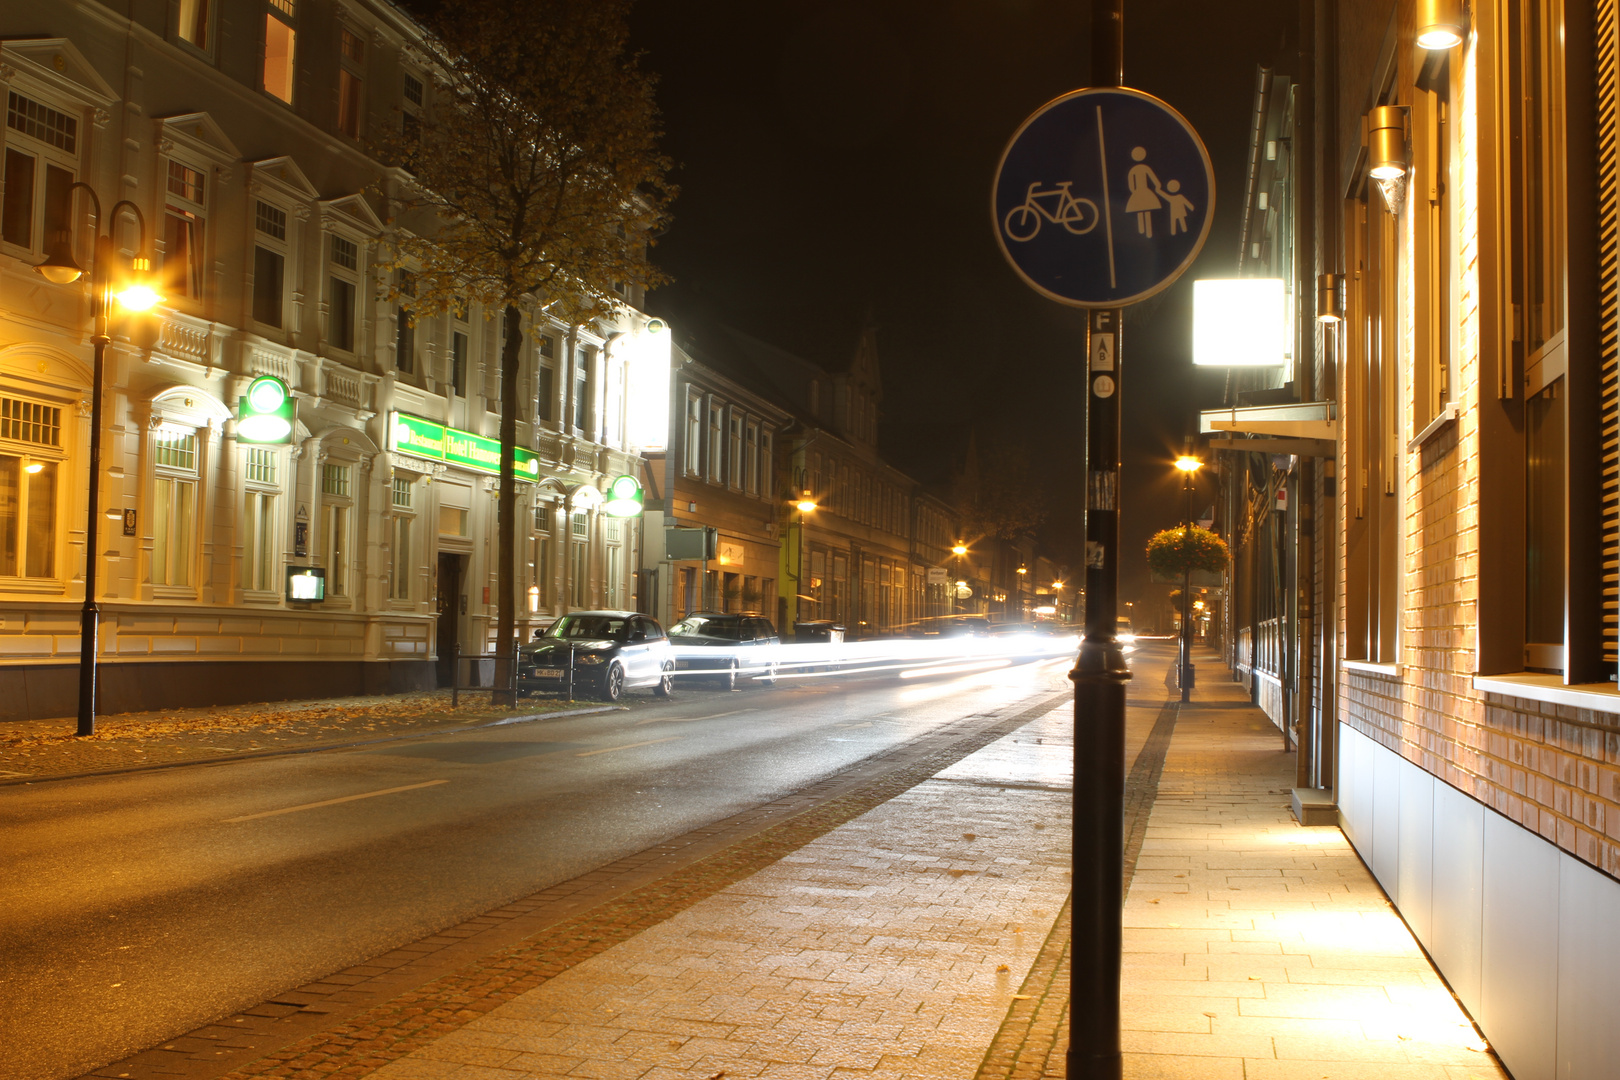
{"x":506,"y":507}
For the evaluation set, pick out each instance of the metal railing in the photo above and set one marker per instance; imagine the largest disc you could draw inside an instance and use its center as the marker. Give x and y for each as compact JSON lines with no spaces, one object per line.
{"x":456,"y":686}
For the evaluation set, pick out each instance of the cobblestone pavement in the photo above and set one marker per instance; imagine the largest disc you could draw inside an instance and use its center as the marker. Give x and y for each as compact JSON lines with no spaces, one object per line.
{"x":39,"y":749}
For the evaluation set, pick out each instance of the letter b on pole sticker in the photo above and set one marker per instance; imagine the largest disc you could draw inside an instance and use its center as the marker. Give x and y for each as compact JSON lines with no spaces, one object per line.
{"x":1103,"y":197}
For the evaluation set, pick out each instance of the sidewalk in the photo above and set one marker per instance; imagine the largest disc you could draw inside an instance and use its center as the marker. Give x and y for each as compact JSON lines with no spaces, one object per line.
{"x":915,"y":928}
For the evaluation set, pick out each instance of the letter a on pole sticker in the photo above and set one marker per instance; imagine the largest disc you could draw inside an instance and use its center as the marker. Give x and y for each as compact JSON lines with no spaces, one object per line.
{"x":1103,"y":198}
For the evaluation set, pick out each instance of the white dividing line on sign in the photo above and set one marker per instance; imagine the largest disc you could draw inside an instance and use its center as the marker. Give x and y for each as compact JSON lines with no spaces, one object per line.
{"x":334,"y":802}
{"x":627,"y":746}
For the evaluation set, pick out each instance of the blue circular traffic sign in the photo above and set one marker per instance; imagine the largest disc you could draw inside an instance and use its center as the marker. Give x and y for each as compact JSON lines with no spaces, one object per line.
{"x":1103,"y":197}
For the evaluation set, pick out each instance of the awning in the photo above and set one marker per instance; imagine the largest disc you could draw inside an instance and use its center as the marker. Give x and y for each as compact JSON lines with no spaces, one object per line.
{"x":1304,"y":428}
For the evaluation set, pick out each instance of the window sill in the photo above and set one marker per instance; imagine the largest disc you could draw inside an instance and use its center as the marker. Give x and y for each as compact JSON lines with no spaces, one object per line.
{"x":260,"y":596}
{"x":33,"y":586}
{"x":1362,"y":667}
{"x":1551,"y":689}
{"x":1447,"y":415}
{"x":173,"y":592}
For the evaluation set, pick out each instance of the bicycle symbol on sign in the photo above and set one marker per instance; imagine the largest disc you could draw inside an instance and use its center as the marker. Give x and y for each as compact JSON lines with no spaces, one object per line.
{"x":1075,"y":213}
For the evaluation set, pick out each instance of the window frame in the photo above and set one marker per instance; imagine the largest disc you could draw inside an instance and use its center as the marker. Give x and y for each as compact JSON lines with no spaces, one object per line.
{"x":351,"y":75}
{"x":54,"y":455}
{"x":261,"y":506}
{"x":338,"y":516}
{"x":283,"y":12}
{"x":281,"y":248}
{"x":44,"y":158}
{"x":175,"y":542}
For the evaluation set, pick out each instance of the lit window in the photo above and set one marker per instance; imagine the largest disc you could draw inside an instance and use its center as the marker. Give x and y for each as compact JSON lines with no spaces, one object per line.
{"x":194,"y":22}
{"x":280,"y":42}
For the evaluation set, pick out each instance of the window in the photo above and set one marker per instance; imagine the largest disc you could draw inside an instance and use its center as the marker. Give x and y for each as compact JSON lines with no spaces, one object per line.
{"x":28,"y":487}
{"x":174,"y":507}
{"x":734,"y":467}
{"x":400,"y":570}
{"x":694,"y":435}
{"x":766,"y":463}
{"x":343,"y":287}
{"x":452,"y":521}
{"x":458,"y":363}
{"x":351,"y":70}
{"x":412,"y":89}
{"x":183,"y":232}
{"x":752,"y":457}
{"x":539,"y":573}
{"x":37,"y":207}
{"x":405,"y":325}
{"x":1373,"y":445}
{"x":269,"y":262}
{"x":615,"y":587}
{"x":611,"y":429}
{"x":280,"y":40}
{"x":1432,"y":219}
{"x":716,"y":444}
{"x":579,"y":561}
{"x":260,"y":558}
{"x":194,"y":22}
{"x":582,"y":387}
{"x":336,"y":540}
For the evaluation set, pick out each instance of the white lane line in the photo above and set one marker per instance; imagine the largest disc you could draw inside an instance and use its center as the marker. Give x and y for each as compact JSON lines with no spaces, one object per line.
{"x":689,"y":719}
{"x":628,"y":746}
{"x":334,"y":802}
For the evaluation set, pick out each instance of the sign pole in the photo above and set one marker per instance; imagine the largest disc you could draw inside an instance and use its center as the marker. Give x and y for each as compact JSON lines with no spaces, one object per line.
{"x":1100,"y":675}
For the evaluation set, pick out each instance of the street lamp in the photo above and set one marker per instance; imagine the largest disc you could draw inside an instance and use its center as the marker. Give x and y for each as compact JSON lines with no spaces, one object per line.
{"x":135,"y":292}
{"x":1019,"y":599}
{"x":957,"y":551}
{"x":1188,"y":467}
{"x":805,"y":505}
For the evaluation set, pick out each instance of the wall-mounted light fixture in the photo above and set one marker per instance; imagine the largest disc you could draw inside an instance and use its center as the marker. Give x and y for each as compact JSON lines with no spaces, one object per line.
{"x":1386,"y":143}
{"x":1440,"y":24}
{"x":1329,"y":298}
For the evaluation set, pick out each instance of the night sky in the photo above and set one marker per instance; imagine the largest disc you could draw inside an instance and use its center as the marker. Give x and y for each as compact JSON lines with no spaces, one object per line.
{"x":835,"y":162}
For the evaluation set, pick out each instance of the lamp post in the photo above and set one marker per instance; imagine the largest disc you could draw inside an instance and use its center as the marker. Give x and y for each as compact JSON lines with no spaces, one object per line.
{"x":136,"y":294}
{"x":804,"y":506}
{"x":1018,"y":599}
{"x":1188,"y":467}
{"x":959,"y":581}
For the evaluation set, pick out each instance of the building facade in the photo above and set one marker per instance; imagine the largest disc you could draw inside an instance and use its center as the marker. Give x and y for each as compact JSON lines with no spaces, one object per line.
{"x":1455,"y":210}
{"x":236,"y":129}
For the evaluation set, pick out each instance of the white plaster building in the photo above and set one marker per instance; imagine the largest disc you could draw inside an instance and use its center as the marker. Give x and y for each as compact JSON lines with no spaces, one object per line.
{"x":236,"y":128}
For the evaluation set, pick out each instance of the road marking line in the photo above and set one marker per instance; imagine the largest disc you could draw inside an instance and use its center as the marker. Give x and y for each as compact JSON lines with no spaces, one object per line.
{"x":334,"y":802}
{"x":846,"y":727}
{"x":628,"y":746}
{"x":688,"y":719}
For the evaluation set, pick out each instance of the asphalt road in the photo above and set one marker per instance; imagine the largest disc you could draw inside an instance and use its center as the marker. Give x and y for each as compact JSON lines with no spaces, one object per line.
{"x":136,"y":907}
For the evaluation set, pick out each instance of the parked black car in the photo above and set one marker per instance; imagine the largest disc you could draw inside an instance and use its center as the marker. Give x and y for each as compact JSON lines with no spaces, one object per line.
{"x":730,"y":645}
{"x":611,"y":652}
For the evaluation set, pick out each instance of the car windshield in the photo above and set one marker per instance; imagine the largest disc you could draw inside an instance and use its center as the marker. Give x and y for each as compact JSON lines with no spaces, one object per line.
{"x":576,"y":627}
{"x":708,"y":626}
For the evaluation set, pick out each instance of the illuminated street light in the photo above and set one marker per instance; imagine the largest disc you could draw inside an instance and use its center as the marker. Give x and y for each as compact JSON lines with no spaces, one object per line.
{"x":135,"y":292}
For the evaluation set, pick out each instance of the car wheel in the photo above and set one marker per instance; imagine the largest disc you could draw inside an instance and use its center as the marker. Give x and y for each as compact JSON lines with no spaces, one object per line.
{"x":666,"y":683}
{"x":728,"y":681}
{"x":769,"y":678}
{"x":613,"y":683}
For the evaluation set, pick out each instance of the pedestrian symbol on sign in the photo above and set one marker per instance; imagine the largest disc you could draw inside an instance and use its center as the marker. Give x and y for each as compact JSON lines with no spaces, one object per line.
{"x":1112,"y":157}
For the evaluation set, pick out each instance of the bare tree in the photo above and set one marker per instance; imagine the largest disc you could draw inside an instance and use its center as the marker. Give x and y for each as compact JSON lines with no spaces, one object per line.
{"x":531,"y":179}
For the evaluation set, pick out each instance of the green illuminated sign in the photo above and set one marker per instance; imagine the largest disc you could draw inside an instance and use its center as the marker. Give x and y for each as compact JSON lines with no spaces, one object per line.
{"x":425,"y":439}
{"x":624,"y":497}
{"x":265,"y":414}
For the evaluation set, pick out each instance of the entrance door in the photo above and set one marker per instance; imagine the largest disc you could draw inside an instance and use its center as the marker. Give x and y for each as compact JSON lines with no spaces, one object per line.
{"x":449,"y":614}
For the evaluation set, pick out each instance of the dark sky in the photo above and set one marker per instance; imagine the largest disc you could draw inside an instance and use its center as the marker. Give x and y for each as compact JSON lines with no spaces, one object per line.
{"x":835,"y":161}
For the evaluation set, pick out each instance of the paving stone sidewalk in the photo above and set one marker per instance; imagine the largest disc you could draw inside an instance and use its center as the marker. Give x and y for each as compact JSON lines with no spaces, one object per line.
{"x":1256,"y":949}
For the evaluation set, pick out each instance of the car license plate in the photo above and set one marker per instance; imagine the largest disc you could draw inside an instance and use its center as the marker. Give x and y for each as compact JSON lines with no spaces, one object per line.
{"x":548,"y":673}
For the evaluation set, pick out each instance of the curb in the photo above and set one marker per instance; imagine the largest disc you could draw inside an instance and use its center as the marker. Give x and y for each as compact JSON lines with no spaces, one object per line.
{"x":313,"y":749}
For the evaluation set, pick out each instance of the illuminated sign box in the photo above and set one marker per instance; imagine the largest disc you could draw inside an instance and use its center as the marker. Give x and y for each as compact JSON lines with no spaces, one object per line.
{"x":421,"y":438}
{"x":1240,"y":322}
{"x":306,"y":584}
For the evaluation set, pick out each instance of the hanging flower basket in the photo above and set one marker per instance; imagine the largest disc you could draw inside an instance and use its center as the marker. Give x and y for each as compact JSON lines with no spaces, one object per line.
{"x":1174,"y":552}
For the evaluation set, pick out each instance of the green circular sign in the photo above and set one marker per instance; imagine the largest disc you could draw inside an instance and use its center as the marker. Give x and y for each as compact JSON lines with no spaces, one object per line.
{"x":266,"y":394}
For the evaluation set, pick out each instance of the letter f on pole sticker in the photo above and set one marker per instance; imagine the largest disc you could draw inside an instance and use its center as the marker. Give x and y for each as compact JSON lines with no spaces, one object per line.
{"x":1103,"y":197}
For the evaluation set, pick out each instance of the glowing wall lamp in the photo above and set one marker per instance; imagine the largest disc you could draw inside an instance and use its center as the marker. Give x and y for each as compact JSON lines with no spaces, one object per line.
{"x":1440,"y":24}
{"x":624,"y":498}
{"x":1240,"y":322}
{"x":1386,"y":143}
{"x":1329,"y":298}
{"x":265,"y":414}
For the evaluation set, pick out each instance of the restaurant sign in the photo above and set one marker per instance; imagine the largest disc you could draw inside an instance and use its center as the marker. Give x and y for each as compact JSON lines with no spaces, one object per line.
{"x":421,"y":438}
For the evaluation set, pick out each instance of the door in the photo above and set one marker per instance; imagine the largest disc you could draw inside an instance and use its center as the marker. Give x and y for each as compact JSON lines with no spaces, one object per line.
{"x":449,"y":586}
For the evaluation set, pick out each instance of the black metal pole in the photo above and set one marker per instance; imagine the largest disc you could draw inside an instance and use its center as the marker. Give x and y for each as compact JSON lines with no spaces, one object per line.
{"x":1100,"y":675}
{"x":1184,"y":676}
{"x":90,"y":615}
